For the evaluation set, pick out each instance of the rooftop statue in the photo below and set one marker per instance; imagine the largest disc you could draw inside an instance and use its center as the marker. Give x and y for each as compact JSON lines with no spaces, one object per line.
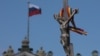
{"x":65,"y":26}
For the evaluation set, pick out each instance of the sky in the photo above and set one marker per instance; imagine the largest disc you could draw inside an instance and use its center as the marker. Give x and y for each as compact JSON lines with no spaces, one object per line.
{"x":44,"y":30}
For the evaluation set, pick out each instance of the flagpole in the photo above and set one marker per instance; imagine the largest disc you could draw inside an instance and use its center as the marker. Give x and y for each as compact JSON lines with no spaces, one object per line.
{"x":38,"y":11}
{"x":28,"y":23}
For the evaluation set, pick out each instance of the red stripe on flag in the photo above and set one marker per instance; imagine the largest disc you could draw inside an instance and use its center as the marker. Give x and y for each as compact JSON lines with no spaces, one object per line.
{"x":34,"y":12}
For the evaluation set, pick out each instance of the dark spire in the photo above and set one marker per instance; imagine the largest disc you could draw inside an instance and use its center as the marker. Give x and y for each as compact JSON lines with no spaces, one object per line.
{"x":25,"y":45}
{"x":50,"y":53}
{"x":25,"y":42}
{"x":95,"y":53}
{"x":41,"y":52}
{"x":9,"y":52}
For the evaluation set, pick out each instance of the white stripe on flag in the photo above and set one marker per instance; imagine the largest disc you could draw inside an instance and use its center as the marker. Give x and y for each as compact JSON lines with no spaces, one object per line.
{"x":32,"y":5}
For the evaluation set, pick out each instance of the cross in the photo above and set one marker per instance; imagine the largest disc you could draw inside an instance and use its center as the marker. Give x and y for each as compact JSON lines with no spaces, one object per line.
{"x":64,"y":28}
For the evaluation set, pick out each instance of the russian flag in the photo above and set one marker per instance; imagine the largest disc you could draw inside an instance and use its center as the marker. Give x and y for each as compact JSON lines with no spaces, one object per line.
{"x":34,"y":10}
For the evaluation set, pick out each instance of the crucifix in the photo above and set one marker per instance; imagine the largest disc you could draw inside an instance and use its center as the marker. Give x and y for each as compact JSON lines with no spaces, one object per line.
{"x":64,"y":17}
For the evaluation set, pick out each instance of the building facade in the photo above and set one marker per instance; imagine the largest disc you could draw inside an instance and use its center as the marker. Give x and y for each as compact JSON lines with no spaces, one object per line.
{"x":25,"y":50}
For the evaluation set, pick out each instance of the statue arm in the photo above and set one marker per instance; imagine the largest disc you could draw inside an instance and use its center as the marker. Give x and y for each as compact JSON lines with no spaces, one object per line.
{"x":57,"y":18}
{"x":69,"y":19}
{"x":73,"y":22}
